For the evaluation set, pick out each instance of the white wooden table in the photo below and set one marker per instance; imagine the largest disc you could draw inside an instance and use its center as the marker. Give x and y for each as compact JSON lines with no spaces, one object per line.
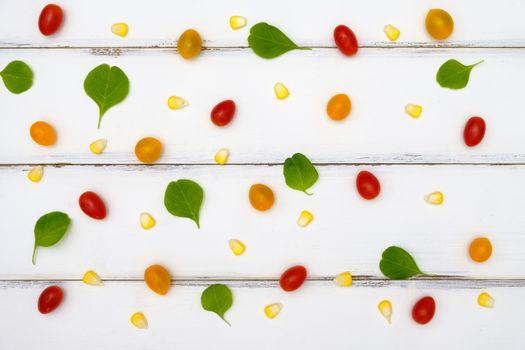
{"x":484,"y":187}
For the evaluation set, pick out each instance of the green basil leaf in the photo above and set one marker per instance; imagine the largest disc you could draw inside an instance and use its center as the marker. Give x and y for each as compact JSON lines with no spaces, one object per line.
{"x":17,"y":77}
{"x":454,"y":75}
{"x":50,"y":229}
{"x":397,"y":264}
{"x":299,"y":173}
{"x":268,"y":41}
{"x":183,"y":198}
{"x":217,"y":298}
{"x":107,"y":86}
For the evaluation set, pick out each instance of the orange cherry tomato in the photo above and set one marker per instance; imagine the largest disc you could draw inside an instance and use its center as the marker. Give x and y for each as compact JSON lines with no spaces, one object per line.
{"x":148,"y":150}
{"x":92,"y":205}
{"x":293,"y":278}
{"x":474,"y":131}
{"x":189,"y":44}
{"x":158,"y":279}
{"x":43,"y":133}
{"x":367,"y":185}
{"x":480,"y":249}
{"x":50,"y":19}
{"x":339,"y":106}
{"x":50,"y":299}
{"x":439,"y":24}
{"x":261,"y":197}
{"x":222,"y":114}
{"x":424,"y":310}
{"x":345,"y":40}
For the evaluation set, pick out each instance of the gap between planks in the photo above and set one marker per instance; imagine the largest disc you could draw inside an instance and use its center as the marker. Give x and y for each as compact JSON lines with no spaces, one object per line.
{"x":211,"y":47}
{"x":437,"y":282}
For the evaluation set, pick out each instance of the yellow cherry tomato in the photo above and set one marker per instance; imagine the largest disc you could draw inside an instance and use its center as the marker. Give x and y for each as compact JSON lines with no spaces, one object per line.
{"x":158,"y":279}
{"x":189,"y":44}
{"x":261,"y":197}
{"x":43,"y":133}
{"x":480,"y":249}
{"x":339,"y":107}
{"x":148,"y":150}
{"x":439,"y":24}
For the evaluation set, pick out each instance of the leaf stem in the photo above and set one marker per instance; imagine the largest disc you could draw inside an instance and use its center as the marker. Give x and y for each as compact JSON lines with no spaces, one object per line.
{"x":475,"y":64}
{"x":34,"y":254}
{"x":99,"y":121}
{"x":304,"y":48}
{"x":309,"y":194}
{"x":225,"y":320}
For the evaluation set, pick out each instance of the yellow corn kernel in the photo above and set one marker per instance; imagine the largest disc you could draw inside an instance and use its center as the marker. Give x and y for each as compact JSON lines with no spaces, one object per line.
{"x":485,"y":300}
{"x":139,"y":320}
{"x":435,"y":198}
{"x":237,"y":246}
{"x":120,"y":29}
{"x":385,"y":308}
{"x":98,"y":146}
{"x":272,"y":310}
{"x":176,"y":102}
{"x":36,"y":173}
{"x":343,"y":279}
{"x":146,"y":221}
{"x":413,"y":110}
{"x":305,"y":218}
{"x":237,"y":22}
{"x":92,"y":278}
{"x":281,"y":92}
{"x":222,"y":155}
{"x":392,"y":32}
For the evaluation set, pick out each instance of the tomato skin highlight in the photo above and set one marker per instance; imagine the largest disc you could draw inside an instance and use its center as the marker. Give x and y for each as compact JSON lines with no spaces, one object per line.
{"x":474,"y":131}
{"x":345,"y":40}
{"x":222,"y":113}
{"x":293,"y":278}
{"x":50,"y":19}
{"x":50,"y":299}
{"x":92,"y":205}
{"x":424,"y":310}
{"x":367,"y":185}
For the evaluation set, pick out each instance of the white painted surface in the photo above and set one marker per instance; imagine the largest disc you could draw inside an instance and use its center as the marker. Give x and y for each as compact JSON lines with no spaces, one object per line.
{"x":347,"y":233}
{"x":264,"y":128}
{"x":318,"y":315}
{"x":157,"y":22}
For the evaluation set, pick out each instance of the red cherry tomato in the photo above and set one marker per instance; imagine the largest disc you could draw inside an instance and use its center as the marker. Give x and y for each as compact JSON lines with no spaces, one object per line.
{"x":50,"y":299}
{"x":424,"y":310}
{"x":474,"y":131}
{"x":50,"y":19}
{"x":293,"y":278}
{"x":345,"y":40}
{"x":92,"y":205}
{"x":368,"y":185}
{"x":223,"y":112}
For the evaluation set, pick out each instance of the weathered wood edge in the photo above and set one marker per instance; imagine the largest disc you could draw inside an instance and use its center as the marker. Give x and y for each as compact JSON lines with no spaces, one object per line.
{"x":437,"y":282}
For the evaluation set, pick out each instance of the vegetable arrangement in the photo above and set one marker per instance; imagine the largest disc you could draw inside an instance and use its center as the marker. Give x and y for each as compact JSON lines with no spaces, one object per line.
{"x":108,"y":86}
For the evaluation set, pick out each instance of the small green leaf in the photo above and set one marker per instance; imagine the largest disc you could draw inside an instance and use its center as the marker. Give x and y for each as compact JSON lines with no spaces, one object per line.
{"x":217,"y":298}
{"x":397,"y":264}
{"x":299,"y":173}
{"x":50,"y":229}
{"x":268,"y":41}
{"x":17,"y":77}
{"x":107,"y":86}
{"x":183,"y":198}
{"x":454,"y":75}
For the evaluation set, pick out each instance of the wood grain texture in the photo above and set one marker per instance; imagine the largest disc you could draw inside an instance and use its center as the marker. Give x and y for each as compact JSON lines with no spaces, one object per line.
{"x":266,"y":130}
{"x":348,"y":233}
{"x":477,"y":22}
{"x":335,"y":317}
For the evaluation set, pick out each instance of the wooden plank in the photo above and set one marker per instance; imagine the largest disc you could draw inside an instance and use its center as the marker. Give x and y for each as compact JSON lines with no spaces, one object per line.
{"x":99,"y":318}
{"x":348,"y":233}
{"x":266,"y":130}
{"x":159,"y":23}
